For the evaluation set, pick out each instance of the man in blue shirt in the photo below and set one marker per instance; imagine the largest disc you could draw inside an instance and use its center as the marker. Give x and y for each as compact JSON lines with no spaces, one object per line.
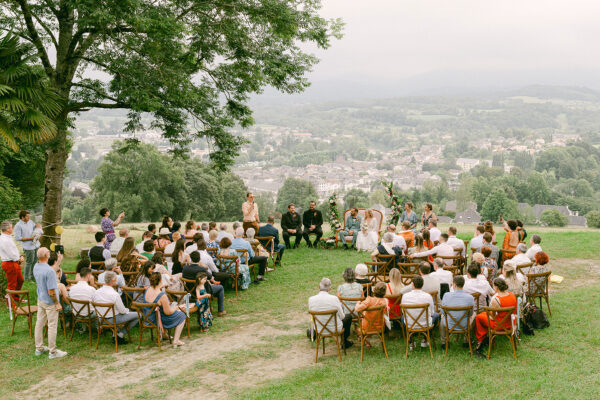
{"x":239,"y":243}
{"x":48,"y":305}
{"x":269,"y":230}
{"x":456,"y":298}
{"x":24,"y":233}
{"x":351,"y":228}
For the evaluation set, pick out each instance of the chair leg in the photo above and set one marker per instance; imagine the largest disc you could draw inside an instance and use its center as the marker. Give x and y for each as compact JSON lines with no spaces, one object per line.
{"x":98,"y":341}
{"x":383,"y":344}
{"x":490,"y":339}
{"x":407,"y":341}
{"x":13,"y":321}
{"x":429,"y":342}
{"x":548,"y":304}
{"x":188,"y":325}
{"x":116,"y":341}
{"x":362,"y":347}
{"x":158,"y":338}
{"x":469,"y":339}
{"x":142,"y":331}
{"x":72,"y":331}
{"x":89,"y":326}
{"x":317,"y":346}
{"x":512,"y":342}
{"x":447,"y":340}
{"x":323,"y":345}
{"x":337,"y":343}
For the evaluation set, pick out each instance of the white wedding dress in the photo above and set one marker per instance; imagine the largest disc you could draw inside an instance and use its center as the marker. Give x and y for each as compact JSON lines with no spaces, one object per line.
{"x":368,"y":241}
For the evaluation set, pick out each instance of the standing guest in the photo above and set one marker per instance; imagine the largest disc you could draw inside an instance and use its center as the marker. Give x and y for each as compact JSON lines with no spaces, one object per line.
{"x":205,"y":317}
{"x":351,"y":228}
{"x":243,"y":270}
{"x":152,"y":229}
{"x":116,"y":245}
{"x":398,"y":240}
{"x":521,"y":230}
{"x":312,"y":220}
{"x":23,"y":232}
{"x":204,"y":230}
{"x":476,"y":282}
{"x":409,"y":215}
{"x":269,"y":230}
{"x":240,"y":243}
{"x":250,"y":212}
{"x":48,"y":306}
{"x":145,"y":236}
{"x":416,"y":295}
{"x":108,"y":295}
{"x":291,"y":225}
{"x":99,"y":252}
{"x":407,"y":234}
{"x":427,"y":215}
{"x":189,"y":231}
{"x":502,"y":298}
{"x":223,"y":233}
{"x":457,"y":298}
{"x":11,"y":259}
{"x":511,"y":239}
{"x":455,"y":242}
{"x":434,"y":232}
{"x":327,"y":302}
{"x":108,"y":226}
{"x":477,"y":240}
{"x":535,"y":247}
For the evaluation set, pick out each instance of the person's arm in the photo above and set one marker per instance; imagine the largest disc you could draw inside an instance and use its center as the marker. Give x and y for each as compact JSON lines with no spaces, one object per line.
{"x":319,"y":221}
{"x":425,"y":253}
{"x":256,"y":213}
{"x":361,"y":305}
{"x":250,"y":250}
{"x":374,"y":254}
{"x":106,"y":254}
{"x":119,"y":219}
{"x":119,"y":306}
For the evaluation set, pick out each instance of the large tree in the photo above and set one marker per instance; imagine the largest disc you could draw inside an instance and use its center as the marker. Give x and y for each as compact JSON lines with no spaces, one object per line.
{"x":297,"y":191}
{"x":191,"y":64}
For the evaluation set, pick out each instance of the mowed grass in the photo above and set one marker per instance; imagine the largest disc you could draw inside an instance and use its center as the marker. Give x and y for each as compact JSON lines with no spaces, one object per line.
{"x":558,"y":362}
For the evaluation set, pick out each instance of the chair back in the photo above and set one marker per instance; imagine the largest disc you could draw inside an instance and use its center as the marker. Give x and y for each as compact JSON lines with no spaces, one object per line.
{"x":406,"y":279}
{"x":362,"y":212}
{"x":497,"y":320}
{"x":453,"y":268}
{"x":459,"y":324}
{"x":74,"y":273}
{"x":396,"y":300}
{"x":523,"y":266}
{"x":476,"y":296}
{"x":267,"y":242}
{"x":322,"y":328}
{"x":366,"y":289}
{"x":345,"y":305}
{"x":455,"y":259}
{"x":71,"y":282}
{"x":132,"y":293}
{"x":225,"y":264}
{"x":388,"y":261}
{"x":97,"y":265}
{"x":130,"y":276}
{"x":81,"y":310}
{"x":27,"y":308}
{"x":412,"y":322}
{"x":189,"y":285}
{"x":144,"y":317}
{"x":377,"y":270}
{"x":409,"y":268}
{"x":104,"y":311}
{"x":243,"y":254}
{"x":537,"y":284}
{"x":373,"y":318}
{"x":434,"y":296}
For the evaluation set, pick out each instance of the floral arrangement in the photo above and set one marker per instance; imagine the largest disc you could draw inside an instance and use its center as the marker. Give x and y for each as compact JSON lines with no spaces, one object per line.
{"x":395,"y":202}
{"x":334,"y":214}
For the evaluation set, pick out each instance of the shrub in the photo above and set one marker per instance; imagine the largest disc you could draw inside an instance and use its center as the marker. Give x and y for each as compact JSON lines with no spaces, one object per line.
{"x":593,"y":219}
{"x":554,"y":218}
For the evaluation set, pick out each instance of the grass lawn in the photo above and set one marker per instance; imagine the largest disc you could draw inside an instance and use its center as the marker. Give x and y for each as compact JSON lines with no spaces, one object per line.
{"x":260,"y":350}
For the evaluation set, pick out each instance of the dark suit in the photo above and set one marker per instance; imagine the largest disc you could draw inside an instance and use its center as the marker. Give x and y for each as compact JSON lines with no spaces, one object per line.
{"x":270,"y":230}
{"x":312,"y":217}
{"x":291,"y":221}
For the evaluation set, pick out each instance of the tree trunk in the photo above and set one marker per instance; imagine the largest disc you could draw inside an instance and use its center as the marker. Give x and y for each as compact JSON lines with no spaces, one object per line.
{"x":56,"y":160}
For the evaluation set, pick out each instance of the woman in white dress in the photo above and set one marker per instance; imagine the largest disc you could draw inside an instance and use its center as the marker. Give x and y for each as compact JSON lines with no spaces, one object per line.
{"x":368,"y":236}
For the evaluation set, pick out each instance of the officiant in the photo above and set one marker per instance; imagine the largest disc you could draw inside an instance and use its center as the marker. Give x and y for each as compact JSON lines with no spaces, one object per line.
{"x":312,"y":220}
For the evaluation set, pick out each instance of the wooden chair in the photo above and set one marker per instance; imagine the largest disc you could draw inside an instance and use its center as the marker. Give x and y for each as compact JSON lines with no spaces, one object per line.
{"x":476,"y":296}
{"x":104,"y":323}
{"x":145,"y":323}
{"x":406,"y":279}
{"x":82,"y":312}
{"x":189,"y":285}
{"x":178,"y":297}
{"x":212,"y":251}
{"x":461,"y":260}
{"x":16,"y":309}
{"x":377,"y":271}
{"x":537,"y":287}
{"x":409,"y":268}
{"x":323,"y":331}
{"x":454,"y":326}
{"x":63,"y":314}
{"x":132,"y":294}
{"x":496,"y":326}
{"x":129,"y":277}
{"x":378,"y":215}
{"x":97,"y":266}
{"x":452,"y":268}
{"x":414,"y":326}
{"x":268,"y":242}
{"x":347,"y":309}
{"x":366,"y":289}
{"x":436,"y":303}
{"x":389,"y":261}
{"x":396,"y":301}
{"x":227,"y":264}
{"x":524,"y":266}
{"x":375,"y":326}
{"x":69,"y":273}
{"x":71,"y":282}
{"x":456,"y":260}
{"x":243,"y":254}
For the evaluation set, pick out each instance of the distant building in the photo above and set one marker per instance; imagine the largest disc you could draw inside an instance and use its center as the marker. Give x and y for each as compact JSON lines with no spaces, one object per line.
{"x":468,"y":217}
{"x":442,"y":219}
{"x":451,"y":206}
{"x":574,"y":217}
{"x":467,"y":164}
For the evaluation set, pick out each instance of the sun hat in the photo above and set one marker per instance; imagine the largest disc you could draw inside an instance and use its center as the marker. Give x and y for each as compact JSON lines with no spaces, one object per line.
{"x":164,"y":231}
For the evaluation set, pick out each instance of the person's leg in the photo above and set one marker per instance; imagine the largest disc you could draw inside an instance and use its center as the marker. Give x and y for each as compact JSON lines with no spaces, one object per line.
{"x":435,"y":318}
{"x":281,"y":249}
{"x":177,"y":333}
{"x":286,"y":239}
{"x":52,"y":314}
{"x":219,"y":292}
{"x":20,"y":278}
{"x":354,"y":237}
{"x":342,"y":237}
{"x":347,"y":321}
{"x":443,"y":330}
{"x":12,"y":280}
{"x":30,"y":260}
{"x":307,"y":238}
{"x":298,"y":238}
{"x":319,"y":231}
{"x":481,"y":327}
{"x":40,"y":323}
{"x":131,"y":318}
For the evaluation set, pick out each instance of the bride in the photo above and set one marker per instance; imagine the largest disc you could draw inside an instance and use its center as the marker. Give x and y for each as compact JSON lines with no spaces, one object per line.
{"x":368,"y":236}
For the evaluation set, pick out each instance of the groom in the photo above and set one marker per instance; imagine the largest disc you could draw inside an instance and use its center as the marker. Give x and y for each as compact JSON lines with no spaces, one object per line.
{"x":351,"y":228}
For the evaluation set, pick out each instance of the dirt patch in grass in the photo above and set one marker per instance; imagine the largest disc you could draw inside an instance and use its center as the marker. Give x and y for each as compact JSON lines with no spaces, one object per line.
{"x":578,"y":272}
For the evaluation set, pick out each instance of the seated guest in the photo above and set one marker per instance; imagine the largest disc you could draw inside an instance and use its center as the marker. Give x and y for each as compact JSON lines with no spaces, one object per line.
{"x":350,"y":289}
{"x":455,"y":242}
{"x":269,"y":230}
{"x":421,"y":246}
{"x":441,"y":250}
{"x":489,"y":266}
{"x":205,"y":317}
{"x":116,"y":245}
{"x":131,"y":263}
{"x":170,"y":316}
{"x":189,"y":231}
{"x":477,"y":241}
{"x":223,"y":233}
{"x":152,"y":230}
{"x":360,"y":274}
{"x":326,"y":302}
{"x":204,"y":231}
{"x":312,"y":219}
{"x":207,"y":260}
{"x":193,"y":246}
{"x":444,"y":276}
{"x":487,"y":242}
{"x":107,"y":294}
{"x":129,"y":249}
{"x":164,"y":238}
{"x":351,"y":228}
{"x":212,"y":226}
{"x":179,"y":257}
{"x":398,"y":240}
{"x":476,"y":282}
{"x":373,"y":301}
{"x":240,"y":243}
{"x":171,"y":246}
{"x":83,"y":291}
{"x":416,"y":295}
{"x":394,"y":288}
{"x":535,"y":247}
{"x":98,"y":253}
{"x":430,"y":283}
{"x":407,"y":234}
{"x":143,"y":279}
{"x":111,"y":266}
{"x":520,"y":257}
{"x":79,"y":277}
{"x":434,"y":232}
{"x":160,"y":266}
{"x":148,"y":249}
{"x":488,"y":226}
{"x":291,"y":225}
{"x":515,"y":280}
{"x":244,"y":271}
{"x":212,"y":240}
{"x":540,"y":266}
{"x":175,"y":228}
{"x":457,"y":298}
{"x":387,"y":248}
{"x":145,"y":236}
{"x":258,"y":248}
{"x":502,"y":298}
{"x":478,"y":258}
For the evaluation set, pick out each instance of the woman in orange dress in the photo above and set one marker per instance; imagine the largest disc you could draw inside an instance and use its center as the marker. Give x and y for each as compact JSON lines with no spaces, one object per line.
{"x":502,"y":298}
{"x":511,"y":239}
{"x":377,"y":300}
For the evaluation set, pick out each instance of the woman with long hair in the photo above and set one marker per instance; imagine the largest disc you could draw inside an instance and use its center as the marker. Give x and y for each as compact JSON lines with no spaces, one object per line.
{"x":179,"y":257}
{"x":189,"y":231}
{"x":127,"y":249}
{"x":394,"y":287}
{"x":427,"y":215}
{"x":515,"y":280}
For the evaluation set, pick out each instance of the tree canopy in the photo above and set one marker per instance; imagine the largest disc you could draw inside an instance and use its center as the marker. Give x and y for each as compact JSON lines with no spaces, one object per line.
{"x":297,"y":191}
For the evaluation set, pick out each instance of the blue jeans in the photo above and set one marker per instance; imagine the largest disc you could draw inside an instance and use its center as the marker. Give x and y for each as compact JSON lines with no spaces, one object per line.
{"x":130,"y":317}
{"x":279,"y":248}
{"x":30,"y":260}
{"x":219,"y":292}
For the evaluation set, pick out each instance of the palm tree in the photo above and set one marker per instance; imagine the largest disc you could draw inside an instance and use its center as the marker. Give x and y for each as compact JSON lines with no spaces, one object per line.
{"x":27,"y":105}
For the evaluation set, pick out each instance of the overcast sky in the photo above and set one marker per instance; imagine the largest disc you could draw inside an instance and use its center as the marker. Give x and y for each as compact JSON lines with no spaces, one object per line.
{"x":401,"y":38}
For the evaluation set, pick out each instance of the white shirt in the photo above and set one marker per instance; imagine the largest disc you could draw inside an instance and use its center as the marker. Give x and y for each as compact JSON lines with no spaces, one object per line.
{"x":106,"y":294}
{"x":398,"y":241}
{"x":120,"y":280}
{"x":479,"y":285}
{"x":521,"y":259}
{"x":224,"y":234}
{"x":207,"y":260}
{"x":476,"y":242}
{"x":434,"y":234}
{"x":191,"y":248}
{"x":442,"y":249}
{"x":418,"y":296}
{"x":8,"y":248}
{"x":326,"y":302}
{"x":82,"y":291}
{"x":116,"y":245}
{"x":443,"y":276}
{"x":140,"y":247}
{"x":533,"y":250}
{"x":456,"y":243}
{"x":205,"y":234}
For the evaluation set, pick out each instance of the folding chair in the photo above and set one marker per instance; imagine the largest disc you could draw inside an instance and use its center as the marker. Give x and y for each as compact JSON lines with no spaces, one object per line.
{"x":27,"y":310}
{"x":366,"y":289}
{"x":129,"y":277}
{"x":189,"y":285}
{"x":395,"y":308}
{"x":82,"y":312}
{"x":178,"y":297}
{"x":375,"y":326}
{"x":409,"y":268}
{"x":346,"y":307}
{"x":212,"y":251}
{"x":497,"y":320}
{"x":537,"y":287}
{"x":268,"y":242}
{"x":456,"y":260}
{"x":226,"y":264}
{"x":414,"y":326}
{"x":104,"y":323}
{"x":146,"y":323}
{"x":97,"y":266}
{"x":62,"y":314}
{"x":323,"y":331}
{"x":132,"y":294}
{"x":454,"y":326}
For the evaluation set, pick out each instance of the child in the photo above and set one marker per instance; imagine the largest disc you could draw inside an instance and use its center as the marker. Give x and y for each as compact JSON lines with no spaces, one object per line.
{"x":37,"y":234}
{"x":203,"y":303}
